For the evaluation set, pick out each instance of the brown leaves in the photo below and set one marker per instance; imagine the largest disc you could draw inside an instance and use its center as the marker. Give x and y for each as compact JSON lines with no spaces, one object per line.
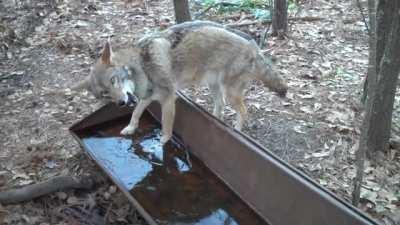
{"x":315,"y":127}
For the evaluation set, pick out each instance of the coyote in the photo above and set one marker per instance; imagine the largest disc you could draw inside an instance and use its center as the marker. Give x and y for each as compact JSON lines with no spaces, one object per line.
{"x":158,"y":65}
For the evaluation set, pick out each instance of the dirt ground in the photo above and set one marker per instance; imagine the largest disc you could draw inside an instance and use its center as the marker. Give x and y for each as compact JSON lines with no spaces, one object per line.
{"x":48,"y":45}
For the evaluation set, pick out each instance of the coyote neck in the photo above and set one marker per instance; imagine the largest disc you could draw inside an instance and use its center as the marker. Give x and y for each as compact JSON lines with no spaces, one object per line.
{"x":143,"y":88}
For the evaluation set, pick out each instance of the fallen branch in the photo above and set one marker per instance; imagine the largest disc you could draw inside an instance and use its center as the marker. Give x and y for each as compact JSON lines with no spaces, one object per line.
{"x":233,"y":16}
{"x":248,"y":23}
{"x":271,"y":51}
{"x":44,"y":188}
{"x":223,"y":4}
{"x":9,"y":76}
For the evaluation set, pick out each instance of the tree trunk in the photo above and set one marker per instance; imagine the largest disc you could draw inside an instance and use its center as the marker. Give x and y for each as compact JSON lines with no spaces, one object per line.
{"x":375,"y":131}
{"x":182,"y":12}
{"x":384,"y":15}
{"x":387,"y":70}
{"x":384,"y":25}
{"x":279,"y":19}
{"x":371,"y":73}
{"x":369,"y":87}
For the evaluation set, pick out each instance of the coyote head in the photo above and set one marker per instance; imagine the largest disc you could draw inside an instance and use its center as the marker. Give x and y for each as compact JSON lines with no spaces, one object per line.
{"x":110,"y":81}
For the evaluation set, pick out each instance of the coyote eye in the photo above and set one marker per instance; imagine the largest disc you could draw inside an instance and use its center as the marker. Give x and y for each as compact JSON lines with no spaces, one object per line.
{"x":113,"y":80}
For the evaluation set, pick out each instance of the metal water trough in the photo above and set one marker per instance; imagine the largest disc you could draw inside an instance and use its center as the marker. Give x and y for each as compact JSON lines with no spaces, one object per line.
{"x":210,"y":173}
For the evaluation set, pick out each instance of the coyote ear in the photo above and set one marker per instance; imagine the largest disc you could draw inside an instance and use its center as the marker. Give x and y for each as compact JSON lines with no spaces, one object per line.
{"x":82,"y":85}
{"x":106,"y":54}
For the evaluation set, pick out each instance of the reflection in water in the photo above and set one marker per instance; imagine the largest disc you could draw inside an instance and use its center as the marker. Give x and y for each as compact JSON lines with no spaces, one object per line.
{"x":171,"y":188}
{"x":217,"y":217}
{"x":118,"y":157}
{"x":182,"y":166}
{"x":151,"y":144}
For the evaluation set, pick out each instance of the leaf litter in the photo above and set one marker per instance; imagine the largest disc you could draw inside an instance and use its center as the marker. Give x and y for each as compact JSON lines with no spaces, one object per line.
{"x":316,"y":128}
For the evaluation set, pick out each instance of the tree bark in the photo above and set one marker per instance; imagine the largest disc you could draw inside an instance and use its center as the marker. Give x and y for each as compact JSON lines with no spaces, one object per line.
{"x":371,"y":73}
{"x":384,"y":14}
{"x":387,"y":70}
{"x":369,"y":88}
{"x":279,"y":19}
{"x":375,"y":131}
{"x":384,"y":25}
{"x":182,"y":12}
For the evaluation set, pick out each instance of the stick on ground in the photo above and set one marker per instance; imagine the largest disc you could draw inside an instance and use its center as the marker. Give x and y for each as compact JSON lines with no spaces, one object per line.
{"x":46,"y":187}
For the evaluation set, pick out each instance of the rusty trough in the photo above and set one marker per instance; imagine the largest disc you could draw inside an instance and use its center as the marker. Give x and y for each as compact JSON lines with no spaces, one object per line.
{"x":209,"y":174}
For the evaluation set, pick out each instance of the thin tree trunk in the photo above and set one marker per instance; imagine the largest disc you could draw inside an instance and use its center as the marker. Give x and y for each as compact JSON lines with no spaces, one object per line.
{"x":371,"y":73}
{"x":387,"y":70}
{"x":182,"y":12}
{"x":383,"y":18}
{"x":375,"y":132}
{"x":279,"y":19}
{"x":369,"y":88}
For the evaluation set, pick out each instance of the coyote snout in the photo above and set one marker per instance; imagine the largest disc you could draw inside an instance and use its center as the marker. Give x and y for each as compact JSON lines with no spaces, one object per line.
{"x":121,"y":87}
{"x":276,"y":84}
{"x":269,"y":75}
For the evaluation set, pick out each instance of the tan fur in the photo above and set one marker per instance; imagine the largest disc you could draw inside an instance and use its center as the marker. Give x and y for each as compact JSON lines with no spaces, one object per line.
{"x":185,"y":54}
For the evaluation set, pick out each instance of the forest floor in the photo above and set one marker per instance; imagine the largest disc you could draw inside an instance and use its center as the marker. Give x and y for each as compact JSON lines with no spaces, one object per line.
{"x":47,"y":45}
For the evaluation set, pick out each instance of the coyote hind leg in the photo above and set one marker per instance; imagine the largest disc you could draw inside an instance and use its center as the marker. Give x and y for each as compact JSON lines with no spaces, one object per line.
{"x":236,"y":99}
{"x":218,"y":97}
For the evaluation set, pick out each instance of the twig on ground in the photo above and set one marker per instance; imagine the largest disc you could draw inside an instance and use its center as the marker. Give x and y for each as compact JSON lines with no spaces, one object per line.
{"x":247,"y":23}
{"x":272,"y":50}
{"x":234,"y":16}
{"x":9,"y":76}
{"x":362,"y":15}
{"x":107,"y":213}
{"x":201,"y":14}
{"x":264,"y":37}
{"x":46,"y":187}
{"x":306,"y":18}
{"x":360,"y":161}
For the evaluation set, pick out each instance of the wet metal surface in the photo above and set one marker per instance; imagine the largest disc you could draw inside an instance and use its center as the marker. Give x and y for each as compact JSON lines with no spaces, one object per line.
{"x":172,"y":185}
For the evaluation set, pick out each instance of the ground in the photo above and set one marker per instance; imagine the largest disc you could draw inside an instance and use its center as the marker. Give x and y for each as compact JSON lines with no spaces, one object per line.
{"x":50,"y":45}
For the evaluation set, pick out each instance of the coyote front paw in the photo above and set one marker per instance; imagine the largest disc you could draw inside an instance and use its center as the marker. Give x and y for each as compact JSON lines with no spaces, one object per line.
{"x":238,"y":126}
{"x":128,"y":130}
{"x":165,"y":139}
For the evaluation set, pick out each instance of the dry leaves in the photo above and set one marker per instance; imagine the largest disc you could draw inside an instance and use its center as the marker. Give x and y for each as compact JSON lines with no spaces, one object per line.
{"x":315,"y":128}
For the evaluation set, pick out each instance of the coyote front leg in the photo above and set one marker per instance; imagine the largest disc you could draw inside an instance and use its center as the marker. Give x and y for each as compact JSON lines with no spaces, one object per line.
{"x":137,"y":113}
{"x":167,"y":120}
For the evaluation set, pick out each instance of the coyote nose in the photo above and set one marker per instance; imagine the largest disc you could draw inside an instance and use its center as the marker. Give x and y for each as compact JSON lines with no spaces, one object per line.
{"x":282,"y":93}
{"x":131,"y":98}
{"x":121,"y":103}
